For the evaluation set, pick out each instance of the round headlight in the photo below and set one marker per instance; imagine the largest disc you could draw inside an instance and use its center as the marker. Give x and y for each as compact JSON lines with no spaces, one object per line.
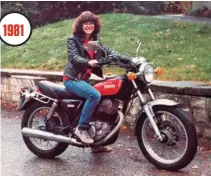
{"x":146,"y":71}
{"x":149,"y":73}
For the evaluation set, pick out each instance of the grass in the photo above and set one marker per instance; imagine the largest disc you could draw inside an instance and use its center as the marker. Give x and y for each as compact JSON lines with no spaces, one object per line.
{"x":182,"y":49}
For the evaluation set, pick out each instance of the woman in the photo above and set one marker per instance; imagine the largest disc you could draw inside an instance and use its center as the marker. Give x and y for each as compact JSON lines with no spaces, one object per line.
{"x":81,"y":62}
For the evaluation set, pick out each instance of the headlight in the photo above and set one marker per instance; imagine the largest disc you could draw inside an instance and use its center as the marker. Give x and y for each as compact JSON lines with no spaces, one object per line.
{"x":146,"y":72}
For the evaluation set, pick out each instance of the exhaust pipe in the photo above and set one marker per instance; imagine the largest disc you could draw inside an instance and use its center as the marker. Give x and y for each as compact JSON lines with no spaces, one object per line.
{"x":28,"y":132}
{"x":34,"y":133}
{"x":113,"y":132}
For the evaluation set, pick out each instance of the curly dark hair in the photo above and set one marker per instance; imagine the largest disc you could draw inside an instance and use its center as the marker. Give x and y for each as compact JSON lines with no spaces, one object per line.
{"x":86,"y":16}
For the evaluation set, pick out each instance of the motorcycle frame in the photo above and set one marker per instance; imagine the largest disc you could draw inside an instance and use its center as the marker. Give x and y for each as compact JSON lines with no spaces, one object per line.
{"x":146,"y":108}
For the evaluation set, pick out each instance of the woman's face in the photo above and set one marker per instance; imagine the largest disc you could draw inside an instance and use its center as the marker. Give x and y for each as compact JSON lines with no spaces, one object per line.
{"x":88,"y":27}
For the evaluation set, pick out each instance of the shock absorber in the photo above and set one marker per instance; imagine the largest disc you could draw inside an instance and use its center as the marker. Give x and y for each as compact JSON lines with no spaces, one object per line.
{"x":52,"y":110}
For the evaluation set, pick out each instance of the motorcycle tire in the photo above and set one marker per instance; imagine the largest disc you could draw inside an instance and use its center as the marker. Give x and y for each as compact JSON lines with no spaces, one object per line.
{"x":58,"y":149}
{"x":191,"y":137}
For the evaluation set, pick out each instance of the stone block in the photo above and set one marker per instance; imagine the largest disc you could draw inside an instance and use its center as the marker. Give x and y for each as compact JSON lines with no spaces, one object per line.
{"x":208,"y":108}
{"x":199,"y":130}
{"x":163,"y":95}
{"x":19,"y":81}
{"x":189,"y":113}
{"x":26,"y":83}
{"x":14,"y":89}
{"x":2,"y":87}
{"x":15,"y":98}
{"x":183,"y":100}
{"x":208,"y":102}
{"x":198,"y":102}
{"x":1,"y":80}
{"x":10,"y":81}
{"x":7,"y":81}
{"x":207,"y":132}
{"x":209,"y":113}
{"x":129,"y":120}
{"x":134,"y":109}
{"x":7,"y":89}
{"x":6,"y":96}
{"x":200,"y":116}
{"x":23,"y":82}
{"x":4,"y":80}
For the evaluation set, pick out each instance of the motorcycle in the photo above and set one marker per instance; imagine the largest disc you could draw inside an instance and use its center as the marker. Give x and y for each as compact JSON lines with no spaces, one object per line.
{"x":165,"y":135}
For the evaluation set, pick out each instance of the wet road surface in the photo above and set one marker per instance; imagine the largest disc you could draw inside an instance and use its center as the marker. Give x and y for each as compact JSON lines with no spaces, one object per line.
{"x":125,"y":160}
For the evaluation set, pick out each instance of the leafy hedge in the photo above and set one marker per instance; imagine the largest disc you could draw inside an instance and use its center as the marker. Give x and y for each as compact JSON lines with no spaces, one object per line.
{"x":44,"y":12}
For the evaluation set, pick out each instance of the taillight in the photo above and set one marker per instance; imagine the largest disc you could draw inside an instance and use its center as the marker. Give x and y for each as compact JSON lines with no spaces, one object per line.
{"x":37,"y":90}
{"x":20,"y":90}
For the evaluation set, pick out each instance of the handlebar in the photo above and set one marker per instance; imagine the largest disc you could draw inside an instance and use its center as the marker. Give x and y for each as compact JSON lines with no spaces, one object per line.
{"x":102,"y":63}
{"x":106,"y":63}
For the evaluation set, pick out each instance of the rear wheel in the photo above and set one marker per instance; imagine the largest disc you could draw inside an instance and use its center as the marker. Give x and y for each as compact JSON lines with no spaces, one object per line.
{"x":180,"y":139}
{"x":35,"y":117}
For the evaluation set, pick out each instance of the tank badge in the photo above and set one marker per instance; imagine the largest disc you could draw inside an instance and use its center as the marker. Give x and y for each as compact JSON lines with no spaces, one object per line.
{"x":109,"y":86}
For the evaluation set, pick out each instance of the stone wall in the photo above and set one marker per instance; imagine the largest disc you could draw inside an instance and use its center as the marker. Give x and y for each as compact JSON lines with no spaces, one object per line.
{"x":9,"y":90}
{"x":197,"y":108}
{"x":195,"y":98}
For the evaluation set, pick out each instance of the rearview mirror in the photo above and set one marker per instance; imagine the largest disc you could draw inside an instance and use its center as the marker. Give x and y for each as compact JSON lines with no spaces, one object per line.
{"x":93,"y":45}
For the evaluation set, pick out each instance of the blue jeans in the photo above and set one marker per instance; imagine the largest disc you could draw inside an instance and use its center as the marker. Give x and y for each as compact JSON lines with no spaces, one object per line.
{"x":83,"y":89}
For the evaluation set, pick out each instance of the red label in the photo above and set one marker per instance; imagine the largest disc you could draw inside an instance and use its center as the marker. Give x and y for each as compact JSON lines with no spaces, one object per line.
{"x":13,"y":30}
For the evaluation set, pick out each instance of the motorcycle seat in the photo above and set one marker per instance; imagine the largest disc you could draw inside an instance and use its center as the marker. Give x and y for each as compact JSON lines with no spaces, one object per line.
{"x":56,"y":91}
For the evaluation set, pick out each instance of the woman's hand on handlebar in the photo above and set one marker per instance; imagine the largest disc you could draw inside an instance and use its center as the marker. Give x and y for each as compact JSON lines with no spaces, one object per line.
{"x":93,"y":63}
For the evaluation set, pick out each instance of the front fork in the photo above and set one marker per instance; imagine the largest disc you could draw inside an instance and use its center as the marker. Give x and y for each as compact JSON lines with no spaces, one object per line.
{"x":148,"y":110}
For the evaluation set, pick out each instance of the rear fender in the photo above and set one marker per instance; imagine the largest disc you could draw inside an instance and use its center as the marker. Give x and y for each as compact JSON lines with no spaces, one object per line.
{"x":154,"y":103}
{"x":24,"y":104}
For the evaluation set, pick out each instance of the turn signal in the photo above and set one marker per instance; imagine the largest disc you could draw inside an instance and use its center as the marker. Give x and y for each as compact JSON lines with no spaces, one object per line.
{"x":158,"y":70}
{"x":131,"y":76}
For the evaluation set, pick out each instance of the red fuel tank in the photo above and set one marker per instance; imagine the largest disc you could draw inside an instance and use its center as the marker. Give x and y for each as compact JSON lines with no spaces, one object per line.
{"x":109,"y":87}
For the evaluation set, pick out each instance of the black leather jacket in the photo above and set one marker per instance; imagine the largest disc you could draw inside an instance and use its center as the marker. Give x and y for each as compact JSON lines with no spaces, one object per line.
{"x":78,"y":58}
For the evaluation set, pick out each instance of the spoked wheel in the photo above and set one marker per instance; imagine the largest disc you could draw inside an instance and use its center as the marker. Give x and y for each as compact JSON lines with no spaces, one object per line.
{"x":35,"y":118}
{"x":179,"y":144}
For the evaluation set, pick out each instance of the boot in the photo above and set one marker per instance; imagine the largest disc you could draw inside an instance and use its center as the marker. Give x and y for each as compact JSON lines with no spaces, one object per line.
{"x":83,"y":136}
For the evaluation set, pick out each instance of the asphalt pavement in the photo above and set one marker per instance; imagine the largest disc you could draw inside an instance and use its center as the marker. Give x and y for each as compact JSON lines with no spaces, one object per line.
{"x":125,"y":160}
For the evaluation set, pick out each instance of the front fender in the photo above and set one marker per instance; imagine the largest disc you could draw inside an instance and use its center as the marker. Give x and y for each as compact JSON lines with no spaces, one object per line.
{"x":164,"y":102}
{"x":151,"y":104}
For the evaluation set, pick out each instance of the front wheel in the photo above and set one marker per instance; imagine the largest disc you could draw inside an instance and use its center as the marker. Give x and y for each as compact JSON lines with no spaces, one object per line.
{"x":179,"y":146}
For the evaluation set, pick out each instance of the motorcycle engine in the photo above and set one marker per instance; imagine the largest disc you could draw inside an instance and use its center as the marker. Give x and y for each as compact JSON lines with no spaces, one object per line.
{"x":104,"y":119}
{"x":109,"y":106}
